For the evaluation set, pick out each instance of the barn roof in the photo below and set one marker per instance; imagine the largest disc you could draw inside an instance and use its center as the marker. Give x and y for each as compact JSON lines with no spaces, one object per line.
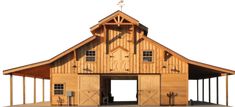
{"x":41,"y":73}
{"x":119,"y":14}
{"x":197,"y":69}
{"x":42,"y":69}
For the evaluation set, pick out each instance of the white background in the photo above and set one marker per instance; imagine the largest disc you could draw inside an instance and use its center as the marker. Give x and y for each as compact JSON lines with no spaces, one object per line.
{"x":36,"y":30}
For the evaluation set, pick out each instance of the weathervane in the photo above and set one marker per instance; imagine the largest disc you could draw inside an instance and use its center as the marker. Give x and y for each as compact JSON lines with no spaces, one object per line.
{"x":121,"y":4}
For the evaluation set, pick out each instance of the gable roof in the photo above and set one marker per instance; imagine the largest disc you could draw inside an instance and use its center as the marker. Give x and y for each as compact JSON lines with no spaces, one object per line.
{"x":45,"y":64}
{"x":219,"y":69}
{"x":122,"y":14}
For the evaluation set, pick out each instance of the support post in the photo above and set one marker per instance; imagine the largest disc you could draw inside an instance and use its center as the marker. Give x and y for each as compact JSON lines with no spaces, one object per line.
{"x":106,"y":39}
{"x":23,"y":89}
{"x":197,"y":90}
{"x":217,"y":90}
{"x":11,"y":90}
{"x":226,"y":89}
{"x":209,"y":90}
{"x":203,"y":90}
{"x":34,"y":97}
{"x":43,"y":90}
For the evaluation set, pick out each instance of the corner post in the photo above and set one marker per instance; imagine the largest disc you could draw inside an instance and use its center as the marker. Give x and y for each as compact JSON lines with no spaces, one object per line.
{"x":203,"y":90}
{"x":226,"y":89}
{"x":34,"y":92}
{"x":209,"y":90}
{"x":11,"y":90}
{"x":217,"y":90}
{"x":23,"y":89}
{"x":43,"y":90}
{"x":197,"y":90}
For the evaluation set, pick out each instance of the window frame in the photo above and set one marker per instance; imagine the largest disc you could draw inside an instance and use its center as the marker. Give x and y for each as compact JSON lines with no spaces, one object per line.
{"x":58,"y":89}
{"x":152,"y":56}
{"x":90,"y":56}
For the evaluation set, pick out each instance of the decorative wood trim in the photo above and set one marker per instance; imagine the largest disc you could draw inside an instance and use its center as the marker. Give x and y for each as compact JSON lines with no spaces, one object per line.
{"x":106,"y":39}
{"x":118,"y":48}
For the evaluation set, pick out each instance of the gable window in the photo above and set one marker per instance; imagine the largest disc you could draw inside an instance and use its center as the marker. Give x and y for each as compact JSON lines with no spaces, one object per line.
{"x":58,"y":89}
{"x":147,"y":56}
{"x":90,"y":56}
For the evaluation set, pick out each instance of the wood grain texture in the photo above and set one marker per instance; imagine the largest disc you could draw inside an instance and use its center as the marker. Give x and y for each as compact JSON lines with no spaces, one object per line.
{"x":149,"y":90}
{"x":177,"y":83}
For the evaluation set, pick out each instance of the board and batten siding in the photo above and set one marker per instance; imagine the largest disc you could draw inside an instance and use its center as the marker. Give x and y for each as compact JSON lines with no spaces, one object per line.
{"x":129,"y":64}
{"x":125,"y":48}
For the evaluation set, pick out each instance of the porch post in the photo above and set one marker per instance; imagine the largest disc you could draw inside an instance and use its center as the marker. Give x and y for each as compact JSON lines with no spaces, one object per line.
{"x":226,"y":89}
{"x":197,"y":90}
{"x":217,"y":90}
{"x":209,"y":90}
{"x":23,"y":89}
{"x":203,"y":90}
{"x":11,"y":90}
{"x":43,"y":90}
{"x":34,"y":97}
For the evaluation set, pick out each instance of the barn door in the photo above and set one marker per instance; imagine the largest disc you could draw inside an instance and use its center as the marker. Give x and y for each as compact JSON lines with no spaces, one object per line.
{"x":149,"y":90}
{"x":89,"y":90}
{"x":119,"y":60}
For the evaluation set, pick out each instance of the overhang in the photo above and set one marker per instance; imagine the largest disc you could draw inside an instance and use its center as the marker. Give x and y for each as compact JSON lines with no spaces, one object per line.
{"x":42,"y":69}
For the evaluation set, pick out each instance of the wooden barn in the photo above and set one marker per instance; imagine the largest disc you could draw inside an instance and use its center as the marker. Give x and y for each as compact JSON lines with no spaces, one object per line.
{"x":119,"y":49}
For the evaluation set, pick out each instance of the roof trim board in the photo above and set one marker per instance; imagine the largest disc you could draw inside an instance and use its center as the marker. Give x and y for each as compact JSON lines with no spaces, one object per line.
{"x":191,"y":61}
{"x":9,"y":71}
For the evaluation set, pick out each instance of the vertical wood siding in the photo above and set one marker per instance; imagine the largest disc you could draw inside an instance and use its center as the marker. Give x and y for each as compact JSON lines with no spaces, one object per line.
{"x":120,"y":39}
{"x":121,"y":58}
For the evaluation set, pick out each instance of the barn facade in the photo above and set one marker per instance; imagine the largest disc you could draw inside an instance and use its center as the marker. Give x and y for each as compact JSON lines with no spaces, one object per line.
{"x":118,"y":50}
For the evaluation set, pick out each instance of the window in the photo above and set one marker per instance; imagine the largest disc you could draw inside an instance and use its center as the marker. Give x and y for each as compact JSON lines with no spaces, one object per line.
{"x":90,"y":55}
{"x":147,"y":56}
{"x":58,"y":89}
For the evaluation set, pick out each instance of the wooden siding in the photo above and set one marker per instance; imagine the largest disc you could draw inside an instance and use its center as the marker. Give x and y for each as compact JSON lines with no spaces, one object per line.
{"x":89,"y":90}
{"x":149,"y":90}
{"x":119,"y":51}
{"x":120,"y":46}
{"x":70,"y":82}
{"x":176,"y":83}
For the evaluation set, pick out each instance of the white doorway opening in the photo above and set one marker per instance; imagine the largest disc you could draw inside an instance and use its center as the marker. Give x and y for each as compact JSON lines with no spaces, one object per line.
{"x":124,"y":90}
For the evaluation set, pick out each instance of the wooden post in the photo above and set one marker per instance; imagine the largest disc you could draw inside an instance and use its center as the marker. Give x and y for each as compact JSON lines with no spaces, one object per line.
{"x":34,"y":91}
{"x":11,"y":90}
{"x":226,"y":89}
{"x":134,"y":38}
{"x":202,"y":90}
{"x":43,"y":90}
{"x":106,"y":39}
{"x":197,"y":90}
{"x":217,"y":90}
{"x":23,"y":89}
{"x":209,"y":90}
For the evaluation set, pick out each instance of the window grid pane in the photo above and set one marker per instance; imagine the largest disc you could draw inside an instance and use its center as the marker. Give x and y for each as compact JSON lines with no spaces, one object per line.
{"x":147,"y":56}
{"x":58,"y":89}
{"x":90,"y":55}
